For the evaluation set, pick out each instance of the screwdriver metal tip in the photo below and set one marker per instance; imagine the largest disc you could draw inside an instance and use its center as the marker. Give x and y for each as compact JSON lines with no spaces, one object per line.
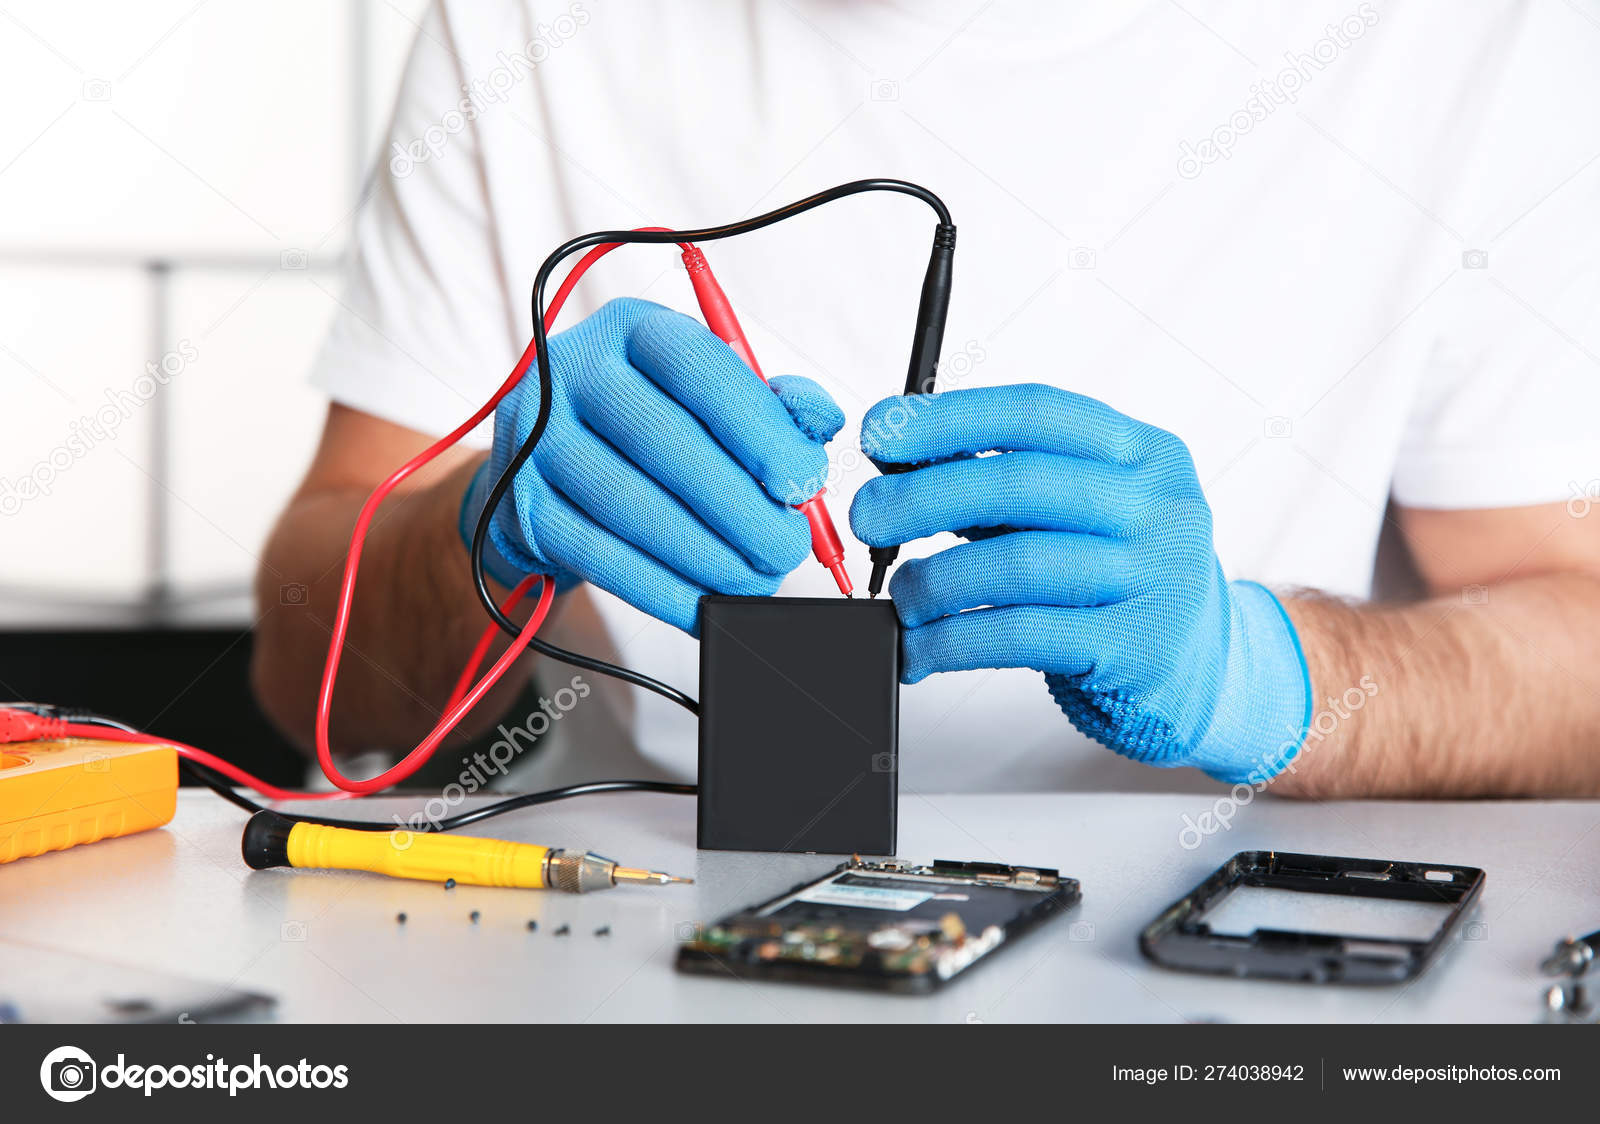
{"x":655,"y":877}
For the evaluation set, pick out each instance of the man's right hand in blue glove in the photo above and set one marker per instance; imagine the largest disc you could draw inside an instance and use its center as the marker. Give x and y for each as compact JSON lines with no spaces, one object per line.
{"x":665,"y":472}
{"x":1093,"y":563}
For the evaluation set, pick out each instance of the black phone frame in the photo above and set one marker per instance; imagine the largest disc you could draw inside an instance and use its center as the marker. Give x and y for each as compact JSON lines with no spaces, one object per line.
{"x":1180,"y":938}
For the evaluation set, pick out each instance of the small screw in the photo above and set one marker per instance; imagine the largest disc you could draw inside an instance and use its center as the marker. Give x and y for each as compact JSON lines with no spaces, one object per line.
{"x":603,"y":931}
{"x":533,"y":926}
{"x":474,"y":916}
{"x":1570,"y":958}
{"x":400,"y":917}
{"x":564,"y":930}
{"x":449,"y":883}
{"x":1571,"y":998}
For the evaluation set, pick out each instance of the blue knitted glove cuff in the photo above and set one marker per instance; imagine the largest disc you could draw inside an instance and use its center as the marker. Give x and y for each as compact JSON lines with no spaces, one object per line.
{"x":503,"y":559}
{"x":1264,"y":707}
{"x":1262,"y":713}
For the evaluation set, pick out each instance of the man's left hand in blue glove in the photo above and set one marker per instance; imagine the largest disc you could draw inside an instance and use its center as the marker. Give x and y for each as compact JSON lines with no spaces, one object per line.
{"x":1091,"y":561}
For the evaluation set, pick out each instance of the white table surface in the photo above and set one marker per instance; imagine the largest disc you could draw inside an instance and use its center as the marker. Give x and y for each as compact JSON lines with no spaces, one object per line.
{"x":181,"y":900}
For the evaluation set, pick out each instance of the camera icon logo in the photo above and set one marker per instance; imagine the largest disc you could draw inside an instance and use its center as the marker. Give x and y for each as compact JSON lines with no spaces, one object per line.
{"x":1584,"y":498}
{"x":1474,"y":595}
{"x":1277,"y":427}
{"x":883,"y":763}
{"x":1081,"y":931}
{"x":686,"y":930}
{"x":884,"y":89}
{"x":292,"y":931}
{"x":1082,"y":257}
{"x":293,"y":259}
{"x":68,"y":1074}
{"x":97,"y":763}
{"x":1474,"y":259}
{"x":1475,"y":931}
{"x":97,"y":89}
{"x":294,"y":593}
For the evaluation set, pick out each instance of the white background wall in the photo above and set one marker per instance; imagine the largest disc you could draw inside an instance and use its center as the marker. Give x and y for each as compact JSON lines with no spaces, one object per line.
{"x":176,"y":184}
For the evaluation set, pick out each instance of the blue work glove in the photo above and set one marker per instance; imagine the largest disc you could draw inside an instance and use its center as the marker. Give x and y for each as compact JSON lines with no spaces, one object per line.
{"x":1092,"y":561}
{"x":666,"y":468}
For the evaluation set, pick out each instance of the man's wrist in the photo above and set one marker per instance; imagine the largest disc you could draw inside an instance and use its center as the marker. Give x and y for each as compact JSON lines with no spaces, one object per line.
{"x":1335,"y":637}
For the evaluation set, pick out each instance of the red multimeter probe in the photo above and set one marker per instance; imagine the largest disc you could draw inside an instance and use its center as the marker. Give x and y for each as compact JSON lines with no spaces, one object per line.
{"x":724,"y":324}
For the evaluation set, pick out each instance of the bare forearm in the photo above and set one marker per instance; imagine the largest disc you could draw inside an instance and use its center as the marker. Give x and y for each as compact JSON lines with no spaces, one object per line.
{"x":1494,"y":692}
{"x":414,"y":622}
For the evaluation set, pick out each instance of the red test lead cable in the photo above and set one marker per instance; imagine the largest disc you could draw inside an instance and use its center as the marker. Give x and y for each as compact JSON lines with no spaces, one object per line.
{"x":464,"y":697}
{"x":714,"y":306}
{"x":17,"y":725}
{"x":23,"y":726}
{"x":719,"y":315}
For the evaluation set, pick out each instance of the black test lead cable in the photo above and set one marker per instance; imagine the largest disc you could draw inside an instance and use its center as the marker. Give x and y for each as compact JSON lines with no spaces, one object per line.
{"x":920,"y":379}
{"x":223,"y":788}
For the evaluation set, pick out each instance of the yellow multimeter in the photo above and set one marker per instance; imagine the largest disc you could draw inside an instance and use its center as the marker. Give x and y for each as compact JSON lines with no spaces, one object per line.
{"x":57,"y":794}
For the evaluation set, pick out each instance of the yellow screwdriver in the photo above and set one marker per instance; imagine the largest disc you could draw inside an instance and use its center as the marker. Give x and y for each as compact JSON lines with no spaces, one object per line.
{"x":274,"y":840}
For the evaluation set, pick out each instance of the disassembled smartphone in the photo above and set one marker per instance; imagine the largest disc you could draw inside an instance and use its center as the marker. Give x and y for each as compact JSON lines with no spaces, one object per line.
{"x":1188,"y":936}
{"x":886,"y":924}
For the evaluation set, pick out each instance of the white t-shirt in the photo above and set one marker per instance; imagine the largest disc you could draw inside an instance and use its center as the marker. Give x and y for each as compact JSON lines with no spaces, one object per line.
{"x":1345,"y":251}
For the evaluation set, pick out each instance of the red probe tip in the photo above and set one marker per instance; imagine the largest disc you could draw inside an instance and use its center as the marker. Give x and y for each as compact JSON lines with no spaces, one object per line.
{"x":714,"y":306}
{"x":825,"y":544}
{"x":842,"y":577}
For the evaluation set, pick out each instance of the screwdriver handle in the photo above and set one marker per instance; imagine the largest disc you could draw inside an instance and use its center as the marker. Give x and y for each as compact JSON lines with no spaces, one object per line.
{"x":273,"y":840}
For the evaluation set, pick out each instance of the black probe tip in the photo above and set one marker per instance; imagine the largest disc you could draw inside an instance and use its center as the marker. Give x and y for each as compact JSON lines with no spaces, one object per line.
{"x":875,"y":582}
